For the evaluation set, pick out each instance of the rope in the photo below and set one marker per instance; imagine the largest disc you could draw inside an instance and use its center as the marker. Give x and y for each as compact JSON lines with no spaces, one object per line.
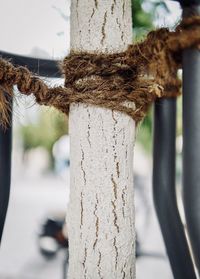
{"x":144,"y":72}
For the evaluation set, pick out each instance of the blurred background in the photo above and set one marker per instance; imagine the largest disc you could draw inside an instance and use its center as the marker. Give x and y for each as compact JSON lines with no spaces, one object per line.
{"x":40,"y":159}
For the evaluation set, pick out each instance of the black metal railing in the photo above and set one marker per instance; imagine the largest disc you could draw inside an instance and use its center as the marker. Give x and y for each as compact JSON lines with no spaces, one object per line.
{"x":191,"y":141}
{"x":164,"y":189}
{"x":164,"y":185}
{"x":5,"y":171}
{"x":42,"y":67}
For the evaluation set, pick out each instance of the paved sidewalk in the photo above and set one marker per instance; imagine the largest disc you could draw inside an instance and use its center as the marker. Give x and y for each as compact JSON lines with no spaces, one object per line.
{"x":31,"y":200}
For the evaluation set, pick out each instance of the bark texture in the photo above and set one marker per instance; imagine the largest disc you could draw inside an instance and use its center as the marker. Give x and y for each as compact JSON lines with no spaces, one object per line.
{"x":101,"y":208}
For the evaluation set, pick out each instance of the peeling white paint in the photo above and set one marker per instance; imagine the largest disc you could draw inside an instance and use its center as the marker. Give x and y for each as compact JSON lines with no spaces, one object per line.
{"x":101,"y":208}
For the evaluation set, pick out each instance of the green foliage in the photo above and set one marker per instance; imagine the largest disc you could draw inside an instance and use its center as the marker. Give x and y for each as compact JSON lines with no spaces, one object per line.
{"x":142,"y":23}
{"x":143,"y":14}
{"x":45,"y":132}
{"x":144,"y":136}
{"x":141,"y":19}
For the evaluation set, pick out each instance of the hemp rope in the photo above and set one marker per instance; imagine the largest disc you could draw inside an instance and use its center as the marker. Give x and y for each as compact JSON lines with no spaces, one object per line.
{"x":144,"y":72}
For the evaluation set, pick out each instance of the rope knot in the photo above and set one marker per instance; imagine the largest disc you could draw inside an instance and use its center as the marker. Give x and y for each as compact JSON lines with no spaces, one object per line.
{"x":128,"y":81}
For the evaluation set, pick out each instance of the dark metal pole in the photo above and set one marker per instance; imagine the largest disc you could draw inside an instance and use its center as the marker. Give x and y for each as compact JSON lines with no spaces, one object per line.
{"x":43,"y":67}
{"x":5,"y":172}
{"x":191,"y":141}
{"x":164,"y":189}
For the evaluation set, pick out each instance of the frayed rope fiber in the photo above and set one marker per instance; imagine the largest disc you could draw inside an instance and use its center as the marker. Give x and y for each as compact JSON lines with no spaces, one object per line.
{"x":144,"y":72}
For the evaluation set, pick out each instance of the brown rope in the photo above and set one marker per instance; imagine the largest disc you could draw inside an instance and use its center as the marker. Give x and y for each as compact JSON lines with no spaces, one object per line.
{"x":146,"y":71}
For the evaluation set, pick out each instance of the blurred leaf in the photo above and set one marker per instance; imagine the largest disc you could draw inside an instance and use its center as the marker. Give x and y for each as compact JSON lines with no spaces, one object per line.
{"x":49,"y":128}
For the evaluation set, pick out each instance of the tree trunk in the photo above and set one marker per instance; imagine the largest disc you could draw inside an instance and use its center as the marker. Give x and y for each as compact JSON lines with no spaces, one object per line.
{"x":101,"y":208}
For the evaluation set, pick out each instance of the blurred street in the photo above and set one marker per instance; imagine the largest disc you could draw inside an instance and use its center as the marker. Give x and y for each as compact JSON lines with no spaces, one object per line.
{"x":31,"y":200}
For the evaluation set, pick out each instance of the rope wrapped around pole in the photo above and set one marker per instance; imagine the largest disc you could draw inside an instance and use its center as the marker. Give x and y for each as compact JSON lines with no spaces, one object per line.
{"x":144,"y":72}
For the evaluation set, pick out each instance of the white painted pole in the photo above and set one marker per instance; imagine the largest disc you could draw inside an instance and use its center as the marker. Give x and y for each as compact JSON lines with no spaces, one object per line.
{"x":101,"y":208}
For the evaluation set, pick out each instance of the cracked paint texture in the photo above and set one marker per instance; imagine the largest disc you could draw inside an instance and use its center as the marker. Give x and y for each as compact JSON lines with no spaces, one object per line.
{"x":100,"y":215}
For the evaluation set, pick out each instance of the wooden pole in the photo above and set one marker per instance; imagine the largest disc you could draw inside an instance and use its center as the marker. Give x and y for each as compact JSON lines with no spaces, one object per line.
{"x":101,"y":208}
